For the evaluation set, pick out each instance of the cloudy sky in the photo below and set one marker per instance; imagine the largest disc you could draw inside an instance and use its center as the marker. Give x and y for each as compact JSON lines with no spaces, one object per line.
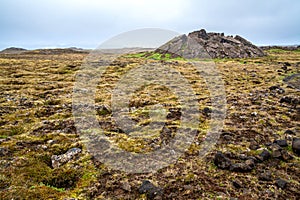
{"x":87,"y":23}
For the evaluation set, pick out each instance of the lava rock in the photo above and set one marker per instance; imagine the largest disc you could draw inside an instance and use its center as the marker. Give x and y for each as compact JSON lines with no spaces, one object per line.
{"x":237,"y":184}
{"x":289,"y":132}
{"x":243,"y":167}
{"x":281,"y":183}
{"x":265,"y":176}
{"x":282,"y":143}
{"x":150,"y":190}
{"x":277,"y":89}
{"x":285,"y":155}
{"x":296,"y":145}
{"x":58,"y":160}
{"x":286,"y":100}
{"x":4,"y":152}
{"x":265,"y":155}
{"x":274,"y":147}
{"x":207,"y":111}
{"x":254,"y":146}
{"x":221,"y":161}
{"x":277,"y":154}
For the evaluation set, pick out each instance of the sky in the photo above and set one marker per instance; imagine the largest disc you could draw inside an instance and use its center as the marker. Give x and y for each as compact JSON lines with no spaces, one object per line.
{"x":34,"y":24}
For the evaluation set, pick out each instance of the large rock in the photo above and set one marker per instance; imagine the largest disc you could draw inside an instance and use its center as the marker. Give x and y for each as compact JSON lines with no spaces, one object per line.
{"x":200,"y":44}
{"x":296,"y":145}
{"x":151,"y":191}
{"x":221,"y":161}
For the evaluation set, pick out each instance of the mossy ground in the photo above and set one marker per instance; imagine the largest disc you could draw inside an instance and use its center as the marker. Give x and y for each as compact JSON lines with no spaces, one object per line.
{"x":36,"y":123}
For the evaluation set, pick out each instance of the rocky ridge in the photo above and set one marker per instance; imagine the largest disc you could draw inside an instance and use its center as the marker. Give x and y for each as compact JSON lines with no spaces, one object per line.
{"x":200,"y":44}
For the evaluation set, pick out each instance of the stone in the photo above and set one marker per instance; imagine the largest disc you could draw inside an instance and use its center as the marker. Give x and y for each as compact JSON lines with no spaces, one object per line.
{"x":293,"y":81}
{"x":221,"y":161}
{"x":281,"y":143}
{"x":285,"y":155}
{"x":277,"y":154}
{"x":287,"y":100}
{"x":247,"y":166}
{"x":58,"y":160}
{"x":126,"y":186}
{"x":265,"y":155}
{"x":254,"y":146}
{"x":265,"y":176}
{"x":281,"y":183}
{"x":207,"y":111}
{"x":4,"y":152}
{"x":277,"y":89}
{"x":289,"y":132}
{"x":237,"y":184}
{"x":296,"y":145}
{"x":150,"y":190}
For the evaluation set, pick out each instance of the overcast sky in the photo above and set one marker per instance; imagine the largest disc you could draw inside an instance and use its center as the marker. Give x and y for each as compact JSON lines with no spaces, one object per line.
{"x":88,"y":23}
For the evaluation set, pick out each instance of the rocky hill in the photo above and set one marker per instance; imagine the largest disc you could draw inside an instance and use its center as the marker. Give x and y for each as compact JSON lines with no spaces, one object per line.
{"x":198,"y":43}
{"x":13,"y":50}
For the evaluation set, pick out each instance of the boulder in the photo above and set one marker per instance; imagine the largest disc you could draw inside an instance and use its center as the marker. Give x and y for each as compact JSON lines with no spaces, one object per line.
{"x":221,"y":161}
{"x":150,"y":190}
{"x":296,"y":145}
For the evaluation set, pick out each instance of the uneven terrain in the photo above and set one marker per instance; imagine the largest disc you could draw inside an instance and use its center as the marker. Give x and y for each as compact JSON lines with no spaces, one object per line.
{"x":43,"y":157}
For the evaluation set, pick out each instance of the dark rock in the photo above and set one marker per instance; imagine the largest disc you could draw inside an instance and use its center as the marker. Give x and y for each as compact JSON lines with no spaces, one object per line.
{"x":293,"y":81}
{"x":202,"y":34}
{"x":274,"y":147}
{"x":276,"y":89}
{"x":150,"y":190}
{"x":282,"y":143}
{"x":221,"y":161}
{"x":296,"y":145}
{"x":250,"y":163}
{"x":58,"y":160}
{"x":174,"y":114}
{"x":4,"y":152}
{"x":237,"y":184}
{"x":265,"y":155}
{"x":284,"y":68}
{"x":289,"y":132}
{"x":207,"y":111}
{"x":277,"y":154}
{"x":265,"y":176}
{"x":254,"y":146}
{"x":281,"y":183}
{"x":286,"y":100}
{"x":285,"y":155}
{"x":252,"y":158}
{"x":290,"y":100}
{"x":243,"y":167}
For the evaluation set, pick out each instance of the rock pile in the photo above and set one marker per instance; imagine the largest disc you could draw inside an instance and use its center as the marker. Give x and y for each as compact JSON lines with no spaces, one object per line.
{"x":216,"y":45}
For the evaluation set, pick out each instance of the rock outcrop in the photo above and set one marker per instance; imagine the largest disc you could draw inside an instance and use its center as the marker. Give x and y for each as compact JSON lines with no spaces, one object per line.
{"x":200,"y":44}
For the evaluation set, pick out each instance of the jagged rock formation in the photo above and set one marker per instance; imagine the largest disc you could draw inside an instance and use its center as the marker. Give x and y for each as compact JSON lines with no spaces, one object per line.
{"x":200,"y":44}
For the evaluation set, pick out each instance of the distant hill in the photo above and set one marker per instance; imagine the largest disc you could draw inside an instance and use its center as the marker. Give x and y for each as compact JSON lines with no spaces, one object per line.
{"x":13,"y":50}
{"x":288,"y":48}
